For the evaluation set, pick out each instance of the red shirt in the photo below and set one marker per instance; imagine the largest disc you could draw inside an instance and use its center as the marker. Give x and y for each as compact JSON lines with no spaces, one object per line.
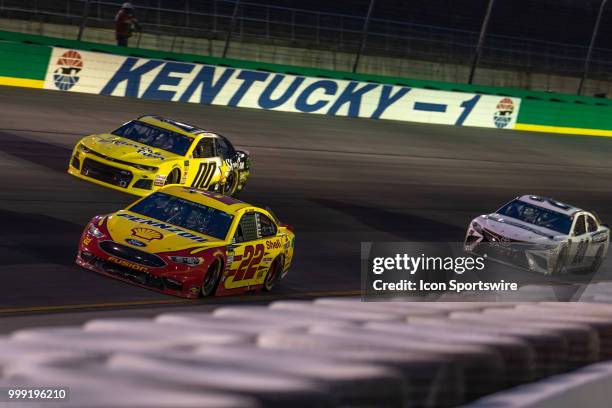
{"x":123,"y":23}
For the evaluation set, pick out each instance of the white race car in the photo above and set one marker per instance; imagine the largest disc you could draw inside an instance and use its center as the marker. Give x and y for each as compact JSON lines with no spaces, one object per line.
{"x":542,"y":235}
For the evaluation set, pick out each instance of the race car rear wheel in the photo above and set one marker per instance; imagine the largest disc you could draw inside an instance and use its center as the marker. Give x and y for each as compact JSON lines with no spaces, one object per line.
{"x":174,"y":177}
{"x":597,"y":261}
{"x":212,"y":277}
{"x":273,"y":275}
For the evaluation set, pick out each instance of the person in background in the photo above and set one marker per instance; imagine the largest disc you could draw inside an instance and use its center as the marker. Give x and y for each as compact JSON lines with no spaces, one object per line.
{"x":125,"y":22}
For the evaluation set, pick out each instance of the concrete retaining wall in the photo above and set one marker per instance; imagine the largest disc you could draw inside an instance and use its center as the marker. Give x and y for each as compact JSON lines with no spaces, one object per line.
{"x":24,"y":55}
{"x":338,"y":61}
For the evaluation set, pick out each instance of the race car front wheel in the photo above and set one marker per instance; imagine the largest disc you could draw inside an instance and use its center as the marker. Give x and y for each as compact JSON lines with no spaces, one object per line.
{"x":231,"y":183}
{"x":273,"y":274}
{"x":561,"y":260}
{"x":211,"y":279}
{"x":174,"y":177}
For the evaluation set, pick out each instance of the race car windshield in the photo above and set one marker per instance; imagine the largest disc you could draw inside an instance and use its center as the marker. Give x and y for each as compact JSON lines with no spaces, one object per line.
{"x":155,"y":137}
{"x":185,"y":214}
{"x":538,"y":216}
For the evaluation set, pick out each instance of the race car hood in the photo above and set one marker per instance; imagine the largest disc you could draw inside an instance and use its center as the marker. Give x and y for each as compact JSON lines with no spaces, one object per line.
{"x":124,"y":149}
{"x":515,"y":229}
{"x":154,"y":236}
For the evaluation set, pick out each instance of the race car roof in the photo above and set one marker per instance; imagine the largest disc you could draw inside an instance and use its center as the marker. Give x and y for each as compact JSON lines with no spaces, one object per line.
{"x":550,"y":204}
{"x":180,"y":127}
{"x":226,"y":204}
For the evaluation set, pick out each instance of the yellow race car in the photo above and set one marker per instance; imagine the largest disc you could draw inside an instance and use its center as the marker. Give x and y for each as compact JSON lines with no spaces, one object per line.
{"x":189,"y":242}
{"x":150,"y":152}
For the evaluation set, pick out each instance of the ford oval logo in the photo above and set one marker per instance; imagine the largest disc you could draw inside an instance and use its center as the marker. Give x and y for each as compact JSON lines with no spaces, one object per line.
{"x":135,"y":242}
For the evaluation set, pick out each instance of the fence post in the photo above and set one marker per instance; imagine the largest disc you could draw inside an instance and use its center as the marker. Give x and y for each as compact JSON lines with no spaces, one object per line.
{"x":364,"y":34}
{"x":481,"y":38}
{"x":231,"y":28}
{"x":83,"y":20}
{"x":587,"y":61}
{"x":214,"y":17}
{"x":187,"y":13}
{"x":267,"y":22}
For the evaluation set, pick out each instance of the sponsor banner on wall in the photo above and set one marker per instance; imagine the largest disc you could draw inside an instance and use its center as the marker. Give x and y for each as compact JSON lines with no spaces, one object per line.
{"x":103,"y":74}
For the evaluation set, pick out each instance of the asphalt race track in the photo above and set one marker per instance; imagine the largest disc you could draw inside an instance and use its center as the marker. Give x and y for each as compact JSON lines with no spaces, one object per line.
{"x":338,"y":181}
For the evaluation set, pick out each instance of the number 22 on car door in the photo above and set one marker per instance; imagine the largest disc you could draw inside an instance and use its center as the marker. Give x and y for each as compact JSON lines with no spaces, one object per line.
{"x":251,"y":261}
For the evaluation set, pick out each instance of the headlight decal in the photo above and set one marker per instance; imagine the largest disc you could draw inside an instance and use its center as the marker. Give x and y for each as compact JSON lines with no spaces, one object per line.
{"x":83,"y":148}
{"x":187,"y":260}
{"x":146,"y":168}
{"x":93,"y":230}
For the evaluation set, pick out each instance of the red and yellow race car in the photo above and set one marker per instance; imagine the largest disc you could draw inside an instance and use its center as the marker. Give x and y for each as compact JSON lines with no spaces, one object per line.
{"x":189,"y":242}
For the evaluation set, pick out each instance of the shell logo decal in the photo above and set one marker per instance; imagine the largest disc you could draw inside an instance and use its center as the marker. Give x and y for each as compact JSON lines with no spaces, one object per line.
{"x":66,"y":75}
{"x":147,"y":234}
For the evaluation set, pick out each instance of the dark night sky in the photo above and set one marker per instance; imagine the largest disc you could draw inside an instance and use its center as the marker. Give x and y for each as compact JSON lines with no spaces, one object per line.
{"x":564,"y":21}
{"x":552,"y":20}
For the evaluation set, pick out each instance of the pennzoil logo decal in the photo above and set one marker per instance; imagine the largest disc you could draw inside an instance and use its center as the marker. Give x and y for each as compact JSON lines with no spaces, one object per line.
{"x":147,"y":234}
{"x":66,"y":75}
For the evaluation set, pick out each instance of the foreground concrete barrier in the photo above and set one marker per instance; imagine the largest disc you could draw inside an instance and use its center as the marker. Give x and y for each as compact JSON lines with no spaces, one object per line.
{"x":601,"y":324}
{"x":436,"y":379}
{"x":517,"y":355}
{"x":586,"y":388}
{"x":91,"y":386}
{"x":325,"y":353}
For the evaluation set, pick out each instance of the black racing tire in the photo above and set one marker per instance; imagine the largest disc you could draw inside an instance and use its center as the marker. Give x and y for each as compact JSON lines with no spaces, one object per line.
{"x":274,"y":274}
{"x":174,"y":177}
{"x":212,"y":278}
{"x":561,"y":262}
{"x":231,"y":183}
